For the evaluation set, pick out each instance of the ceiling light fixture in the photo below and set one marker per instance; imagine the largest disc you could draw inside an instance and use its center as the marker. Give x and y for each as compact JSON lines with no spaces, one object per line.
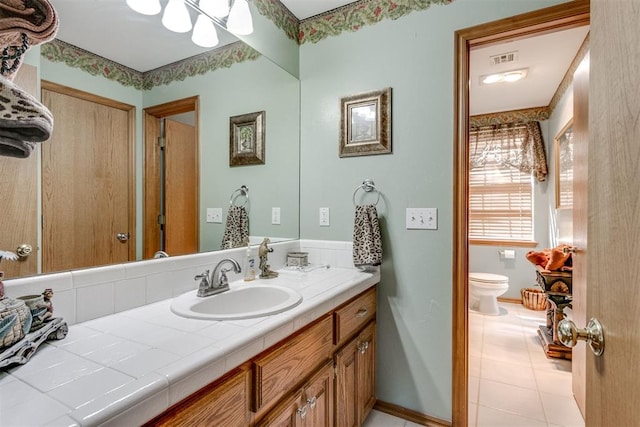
{"x":217,"y":8}
{"x":146,"y":7}
{"x":239,"y":21}
{"x":507,"y":76}
{"x":176,"y":17}
{"x":204,"y":32}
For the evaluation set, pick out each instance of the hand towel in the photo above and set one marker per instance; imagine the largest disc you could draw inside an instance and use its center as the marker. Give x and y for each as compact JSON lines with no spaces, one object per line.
{"x":24,"y":121}
{"x":236,"y":231}
{"x":24,"y":23}
{"x":367,"y":240}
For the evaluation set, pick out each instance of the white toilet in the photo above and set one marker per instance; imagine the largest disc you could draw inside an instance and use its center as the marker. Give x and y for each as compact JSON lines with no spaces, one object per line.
{"x":484,"y":289}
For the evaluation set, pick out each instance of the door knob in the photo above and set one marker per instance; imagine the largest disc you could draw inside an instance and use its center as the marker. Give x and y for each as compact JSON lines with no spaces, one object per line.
{"x":569,"y":250}
{"x":123,"y":237}
{"x":24,"y":250}
{"x":593,"y":334}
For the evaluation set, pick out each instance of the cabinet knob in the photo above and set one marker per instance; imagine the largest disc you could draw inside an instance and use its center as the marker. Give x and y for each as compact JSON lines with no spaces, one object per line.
{"x":362,"y":312}
{"x":302,"y":411}
{"x":312,"y":402}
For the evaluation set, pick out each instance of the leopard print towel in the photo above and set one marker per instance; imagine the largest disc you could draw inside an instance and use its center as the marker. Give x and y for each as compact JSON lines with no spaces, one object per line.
{"x":236,"y":231}
{"x":367,"y":241}
{"x":24,"y":121}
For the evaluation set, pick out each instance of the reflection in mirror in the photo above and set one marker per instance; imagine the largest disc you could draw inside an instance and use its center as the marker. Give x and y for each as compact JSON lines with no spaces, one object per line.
{"x":229,"y":81}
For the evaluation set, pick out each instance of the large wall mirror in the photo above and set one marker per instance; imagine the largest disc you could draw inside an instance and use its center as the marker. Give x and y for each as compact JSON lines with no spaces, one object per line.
{"x":238,"y":88}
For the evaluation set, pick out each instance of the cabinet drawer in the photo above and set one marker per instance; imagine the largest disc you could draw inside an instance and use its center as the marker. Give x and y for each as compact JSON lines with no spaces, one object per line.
{"x":355,"y":314}
{"x":277,"y":371}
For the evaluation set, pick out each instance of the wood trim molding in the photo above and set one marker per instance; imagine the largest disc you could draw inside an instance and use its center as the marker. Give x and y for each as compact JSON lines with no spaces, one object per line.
{"x":171,"y":108}
{"x":409,"y":414}
{"x":510,"y":300}
{"x":76,"y":93}
{"x":563,"y":16}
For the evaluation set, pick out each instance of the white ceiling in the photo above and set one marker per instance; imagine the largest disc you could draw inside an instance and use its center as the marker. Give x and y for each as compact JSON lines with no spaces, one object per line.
{"x":112,"y":30}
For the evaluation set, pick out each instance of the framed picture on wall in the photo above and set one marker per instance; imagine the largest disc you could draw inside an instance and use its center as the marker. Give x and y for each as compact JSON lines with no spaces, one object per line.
{"x":246,"y":139}
{"x":564,"y":166}
{"x":365,"y":124}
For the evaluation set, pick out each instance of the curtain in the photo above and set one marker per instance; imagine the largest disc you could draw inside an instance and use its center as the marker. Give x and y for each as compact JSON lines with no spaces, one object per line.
{"x":517,"y":145}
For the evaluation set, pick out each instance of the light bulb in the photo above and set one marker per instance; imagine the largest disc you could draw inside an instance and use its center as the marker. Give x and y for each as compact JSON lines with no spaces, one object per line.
{"x":176,"y":17}
{"x":492,"y":78}
{"x":146,"y":7}
{"x":217,"y":8}
{"x":239,"y":21}
{"x":513,"y":77}
{"x":204,"y":32}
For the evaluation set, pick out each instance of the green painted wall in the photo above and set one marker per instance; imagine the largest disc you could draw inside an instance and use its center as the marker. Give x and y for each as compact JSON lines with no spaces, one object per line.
{"x":415,"y":56}
{"x":246,"y":87}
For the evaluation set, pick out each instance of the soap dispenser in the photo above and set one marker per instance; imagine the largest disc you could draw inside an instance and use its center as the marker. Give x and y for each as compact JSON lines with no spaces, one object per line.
{"x":250,"y":265}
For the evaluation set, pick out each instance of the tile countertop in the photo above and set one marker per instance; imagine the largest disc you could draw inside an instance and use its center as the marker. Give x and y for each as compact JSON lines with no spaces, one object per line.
{"x":124,"y":369}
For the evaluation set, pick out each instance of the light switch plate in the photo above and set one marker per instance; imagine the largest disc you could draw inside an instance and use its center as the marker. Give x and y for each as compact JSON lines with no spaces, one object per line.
{"x":325,"y":217}
{"x":422,"y":218}
{"x":275,"y":216}
{"x":214,"y":215}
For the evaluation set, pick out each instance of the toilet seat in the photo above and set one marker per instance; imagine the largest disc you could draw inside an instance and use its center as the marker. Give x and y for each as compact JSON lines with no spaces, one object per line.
{"x":488,"y":278}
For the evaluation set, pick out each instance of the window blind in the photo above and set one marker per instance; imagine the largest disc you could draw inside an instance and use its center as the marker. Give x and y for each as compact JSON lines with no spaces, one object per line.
{"x":500,"y":195}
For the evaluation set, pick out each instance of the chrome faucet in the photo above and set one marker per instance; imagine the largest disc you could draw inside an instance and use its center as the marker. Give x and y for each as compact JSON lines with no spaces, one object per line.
{"x":218,"y":281}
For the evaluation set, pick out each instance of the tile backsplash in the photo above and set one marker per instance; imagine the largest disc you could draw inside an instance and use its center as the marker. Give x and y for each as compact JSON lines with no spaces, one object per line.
{"x":82,"y":295}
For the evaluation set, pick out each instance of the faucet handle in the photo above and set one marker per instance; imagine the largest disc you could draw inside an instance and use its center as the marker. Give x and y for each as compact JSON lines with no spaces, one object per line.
{"x":203,"y":276}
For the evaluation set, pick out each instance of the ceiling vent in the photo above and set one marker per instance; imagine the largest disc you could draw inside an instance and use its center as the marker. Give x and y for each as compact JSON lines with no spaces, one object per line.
{"x":504,"y":58}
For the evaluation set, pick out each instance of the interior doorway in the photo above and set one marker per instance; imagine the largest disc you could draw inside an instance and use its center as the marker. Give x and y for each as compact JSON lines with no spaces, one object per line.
{"x":171,"y":178}
{"x":555,"y":18}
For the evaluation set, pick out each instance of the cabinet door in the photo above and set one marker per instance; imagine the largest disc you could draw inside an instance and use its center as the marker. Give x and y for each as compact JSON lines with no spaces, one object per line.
{"x":366,"y":371}
{"x":290,"y":412}
{"x":346,"y":387}
{"x":224,"y":403}
{"x":318,"y":397}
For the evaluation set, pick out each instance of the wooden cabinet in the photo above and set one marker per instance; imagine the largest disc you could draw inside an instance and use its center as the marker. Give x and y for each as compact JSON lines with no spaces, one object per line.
{"x":310,"y":406}
{"x":355,"y":378}
{"x":222,"y":403}
{"x":321,"y":376}
{"x":279,"y":369}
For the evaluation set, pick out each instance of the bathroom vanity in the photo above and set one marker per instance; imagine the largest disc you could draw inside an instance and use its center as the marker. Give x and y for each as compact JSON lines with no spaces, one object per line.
{"x":320,"y":374}
{"x":313,"y":364}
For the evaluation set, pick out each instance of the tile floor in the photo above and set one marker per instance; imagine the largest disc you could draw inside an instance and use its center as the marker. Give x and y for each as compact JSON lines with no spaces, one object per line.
{"x":511,"y":381}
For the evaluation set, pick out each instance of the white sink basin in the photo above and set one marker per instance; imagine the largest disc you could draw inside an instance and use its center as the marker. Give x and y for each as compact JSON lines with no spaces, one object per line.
{"x":241,"y":302}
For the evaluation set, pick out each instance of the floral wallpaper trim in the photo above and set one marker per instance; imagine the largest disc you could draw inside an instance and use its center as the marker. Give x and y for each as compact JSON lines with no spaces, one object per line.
{"x":59,"y":51}
{"x":282,"y":17}
{"x":567,"y":81}
{"x":353,"y":16}
{"x":223,"y":57}
{"x":517,"y":116}
{"x":96,"y":65}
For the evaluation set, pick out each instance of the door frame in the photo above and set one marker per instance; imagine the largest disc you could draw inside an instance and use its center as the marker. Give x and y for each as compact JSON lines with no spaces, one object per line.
{"x":561,"y":17}
{"x":151,"y":177}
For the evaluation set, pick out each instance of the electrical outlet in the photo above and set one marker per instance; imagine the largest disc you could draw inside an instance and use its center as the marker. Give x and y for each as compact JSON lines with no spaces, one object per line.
{"x":214,"y":215}
{"x":324,"y":217}
{"x":422,"y":218}
{"x":275,"y":216}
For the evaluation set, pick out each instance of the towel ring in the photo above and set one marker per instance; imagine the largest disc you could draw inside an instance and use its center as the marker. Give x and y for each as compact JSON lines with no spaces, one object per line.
{"x":242,"y":191}
{"x":368,"y":186}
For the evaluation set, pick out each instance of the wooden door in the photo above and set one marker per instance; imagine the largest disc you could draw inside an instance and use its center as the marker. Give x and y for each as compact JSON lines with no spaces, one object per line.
{"x":580,"y":216}
{"x":181,"y":187}
{"x":318,"y":397}
{"x":18,"y":207}
{"x":613,"y":294}
{"x":88,"y":190}
{"x":346,"y":398}
{"x":366,"y":366}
